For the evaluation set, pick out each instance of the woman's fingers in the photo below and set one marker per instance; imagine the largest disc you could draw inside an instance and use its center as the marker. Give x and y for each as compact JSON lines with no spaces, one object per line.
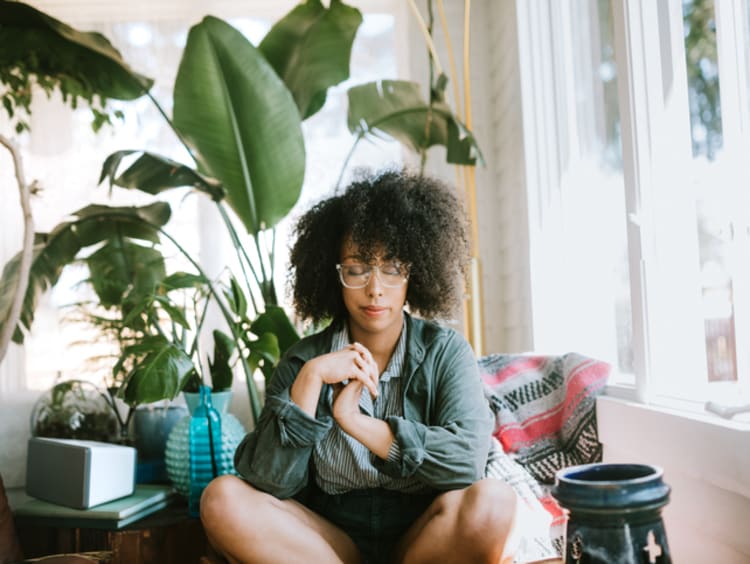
{"x":354,"y":362}
{"x":369,"y":366}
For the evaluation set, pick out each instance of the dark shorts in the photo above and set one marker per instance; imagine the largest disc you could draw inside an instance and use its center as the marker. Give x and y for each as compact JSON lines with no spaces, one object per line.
{"x":375,"y":519}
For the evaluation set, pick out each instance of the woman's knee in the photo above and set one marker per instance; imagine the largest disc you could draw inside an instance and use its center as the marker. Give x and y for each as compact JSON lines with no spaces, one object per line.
{"x":221,"y":496}
{"x":488,"y":506}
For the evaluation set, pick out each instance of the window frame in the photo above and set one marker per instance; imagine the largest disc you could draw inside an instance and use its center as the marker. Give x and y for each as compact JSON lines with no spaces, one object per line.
{"x":657,"y":156}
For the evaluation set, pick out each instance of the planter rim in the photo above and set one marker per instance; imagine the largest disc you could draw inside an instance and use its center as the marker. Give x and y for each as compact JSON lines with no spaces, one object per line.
{"x":644,"y":473}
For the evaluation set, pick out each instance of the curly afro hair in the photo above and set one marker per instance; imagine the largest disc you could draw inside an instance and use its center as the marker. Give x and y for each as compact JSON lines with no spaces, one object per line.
{"x":413,"y":219}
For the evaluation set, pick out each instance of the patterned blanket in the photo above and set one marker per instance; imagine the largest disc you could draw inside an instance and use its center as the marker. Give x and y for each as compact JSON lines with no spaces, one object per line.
{"x":544,"y":421}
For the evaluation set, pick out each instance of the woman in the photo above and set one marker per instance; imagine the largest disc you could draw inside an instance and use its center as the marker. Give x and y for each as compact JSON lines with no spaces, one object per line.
{"x":372,"y":443}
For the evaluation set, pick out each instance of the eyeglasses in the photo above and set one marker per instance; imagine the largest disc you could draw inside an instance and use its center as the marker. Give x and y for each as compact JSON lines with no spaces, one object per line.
{"x":390,"y":274}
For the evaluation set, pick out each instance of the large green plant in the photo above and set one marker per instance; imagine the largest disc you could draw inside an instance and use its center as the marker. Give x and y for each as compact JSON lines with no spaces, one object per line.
{"x":38,"y":50}
{"x":238,"y":110}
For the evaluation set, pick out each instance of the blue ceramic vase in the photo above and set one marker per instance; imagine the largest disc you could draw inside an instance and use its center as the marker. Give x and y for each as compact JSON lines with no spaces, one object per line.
{"x":213,"y":451}
{"x":614,"y":513}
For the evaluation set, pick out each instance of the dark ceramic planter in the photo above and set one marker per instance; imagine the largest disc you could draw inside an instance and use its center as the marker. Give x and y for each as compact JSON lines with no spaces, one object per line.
{"x":152,"y":427}
{"x":614,"y":513}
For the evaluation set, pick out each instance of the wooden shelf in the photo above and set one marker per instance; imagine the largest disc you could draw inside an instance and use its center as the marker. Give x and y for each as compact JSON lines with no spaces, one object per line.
{"x":168,"y":536}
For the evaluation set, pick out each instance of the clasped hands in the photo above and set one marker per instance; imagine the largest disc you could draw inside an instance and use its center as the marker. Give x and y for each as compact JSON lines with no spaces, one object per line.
{"x":349,"y":371}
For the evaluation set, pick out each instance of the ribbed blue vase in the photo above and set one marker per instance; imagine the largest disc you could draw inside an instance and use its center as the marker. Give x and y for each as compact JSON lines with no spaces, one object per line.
{"x":178,"y":453}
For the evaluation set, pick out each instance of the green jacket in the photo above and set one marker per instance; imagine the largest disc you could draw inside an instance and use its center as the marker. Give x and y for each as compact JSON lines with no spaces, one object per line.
{"x":444,"y":435}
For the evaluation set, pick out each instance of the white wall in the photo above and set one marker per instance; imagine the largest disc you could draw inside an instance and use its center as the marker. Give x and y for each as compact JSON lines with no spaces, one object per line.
{"x":503,"y":217}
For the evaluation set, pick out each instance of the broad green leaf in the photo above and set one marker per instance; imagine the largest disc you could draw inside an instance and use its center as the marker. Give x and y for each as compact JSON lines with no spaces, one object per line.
{"x":310,"y":49}
{"x":55,"y":250}
{"x":152,"y":173}
{"x":242,"y":123}
{"x":146,"y":344}
{"x":96,"y":223}
{"x":275,"y":320}
{"x":37,"y":42}
{"x":182,"y":280}
{"x":175,"y":312}
{"x":161,"y":374}
{"x":136,"y":313}
{"x":264,"y":354}
{"x":219,"y":366}
{"x":236,"y":298}
{"x":122,"y":267}
{"x":396,"y":108}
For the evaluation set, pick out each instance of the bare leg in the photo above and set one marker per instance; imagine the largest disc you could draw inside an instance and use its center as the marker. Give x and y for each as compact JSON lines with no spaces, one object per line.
{"x":469,"y":525}
{"x":250,"y":526}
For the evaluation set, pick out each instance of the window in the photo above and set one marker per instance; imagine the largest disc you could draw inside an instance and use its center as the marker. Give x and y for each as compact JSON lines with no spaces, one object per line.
{"x":639,"y":201}
{"x":151,"y":36}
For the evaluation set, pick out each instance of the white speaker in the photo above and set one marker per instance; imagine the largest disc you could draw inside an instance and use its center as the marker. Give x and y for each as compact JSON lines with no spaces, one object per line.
{"x":79,"y":474}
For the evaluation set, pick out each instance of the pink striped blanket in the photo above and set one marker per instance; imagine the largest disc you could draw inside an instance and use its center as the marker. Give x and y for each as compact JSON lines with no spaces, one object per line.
{"x":544,"y":421}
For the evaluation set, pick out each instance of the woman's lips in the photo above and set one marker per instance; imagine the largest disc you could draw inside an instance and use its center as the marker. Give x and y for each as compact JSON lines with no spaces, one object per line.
{"x":374,"y":311}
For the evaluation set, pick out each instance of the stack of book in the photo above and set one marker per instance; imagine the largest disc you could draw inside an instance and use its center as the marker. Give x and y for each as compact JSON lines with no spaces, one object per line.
{"x":145,"y":500}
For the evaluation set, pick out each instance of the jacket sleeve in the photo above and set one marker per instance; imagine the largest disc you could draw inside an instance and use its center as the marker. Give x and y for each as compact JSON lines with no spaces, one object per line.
{"x":274,"y":456}
{"x":451,"y":451}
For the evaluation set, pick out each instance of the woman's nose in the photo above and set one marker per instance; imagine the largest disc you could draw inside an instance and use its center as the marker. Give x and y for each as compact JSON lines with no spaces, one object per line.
{"x":374,"y":285}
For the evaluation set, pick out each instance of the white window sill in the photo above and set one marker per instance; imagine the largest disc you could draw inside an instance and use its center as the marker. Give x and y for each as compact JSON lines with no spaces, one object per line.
{"x":703,"y":446}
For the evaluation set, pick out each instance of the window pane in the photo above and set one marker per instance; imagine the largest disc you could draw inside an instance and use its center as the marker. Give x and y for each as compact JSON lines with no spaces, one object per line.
{"x":613,"y":157}
{"x":601,"y":144}
{"x":715,"y":189}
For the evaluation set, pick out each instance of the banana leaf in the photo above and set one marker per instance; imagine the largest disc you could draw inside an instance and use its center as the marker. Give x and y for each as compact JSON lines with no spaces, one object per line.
{"x":53,"y":251}
{"x":242,"y":123}
{"x":310,"y":49}
{"x":152,"y":173}
{"x":396,"y":108}
{"x":86,"y":61}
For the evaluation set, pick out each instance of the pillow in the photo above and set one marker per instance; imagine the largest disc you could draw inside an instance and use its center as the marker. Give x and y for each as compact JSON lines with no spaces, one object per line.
{"x":544,"y":409}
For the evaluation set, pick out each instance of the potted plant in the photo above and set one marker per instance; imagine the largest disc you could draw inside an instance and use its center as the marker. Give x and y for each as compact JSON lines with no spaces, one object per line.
{"x":238,"y":111}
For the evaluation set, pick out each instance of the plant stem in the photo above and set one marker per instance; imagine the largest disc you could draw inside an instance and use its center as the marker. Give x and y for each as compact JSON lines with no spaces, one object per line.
{"x":426,"y":34}
{"x":267,"y":285}
{"x":199,"y":320}
{"x":179,"y":136}
{"x":252,"y":390}
{"x":24,"y":268}
{"x":451,"y":58}
{"x":241,"y":253}
{"x":269,"y":293}
{"x":271,"y":257}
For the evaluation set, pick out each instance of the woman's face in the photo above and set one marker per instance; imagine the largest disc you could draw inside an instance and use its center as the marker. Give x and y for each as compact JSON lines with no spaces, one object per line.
{"x":376,"y":307}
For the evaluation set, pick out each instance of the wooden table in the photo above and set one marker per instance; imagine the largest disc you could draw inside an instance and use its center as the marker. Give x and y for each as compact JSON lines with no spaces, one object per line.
{"x":168,"y":536}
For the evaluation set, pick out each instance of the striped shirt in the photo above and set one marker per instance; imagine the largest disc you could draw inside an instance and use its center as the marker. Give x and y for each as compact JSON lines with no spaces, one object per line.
{"x":342,"y":463}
